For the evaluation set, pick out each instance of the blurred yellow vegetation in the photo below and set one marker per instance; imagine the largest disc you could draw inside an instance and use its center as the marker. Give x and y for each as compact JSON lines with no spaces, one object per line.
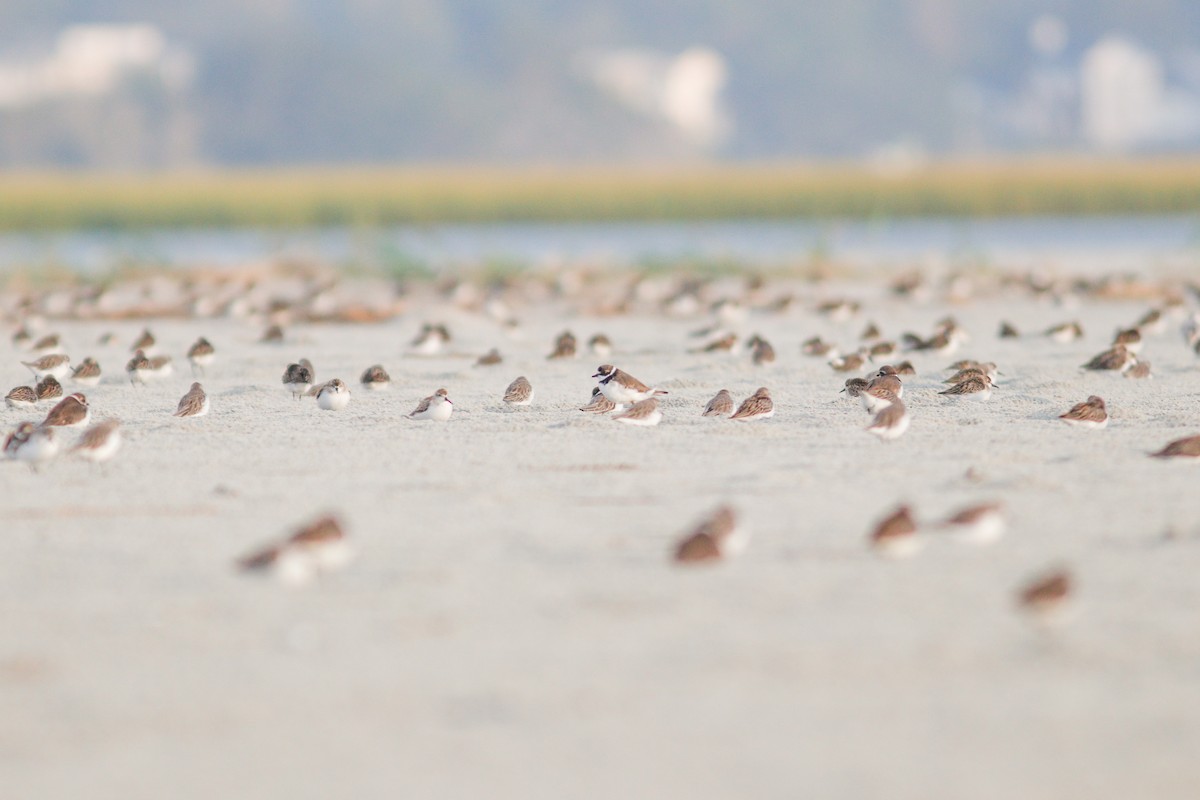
{"x":418,"y":195}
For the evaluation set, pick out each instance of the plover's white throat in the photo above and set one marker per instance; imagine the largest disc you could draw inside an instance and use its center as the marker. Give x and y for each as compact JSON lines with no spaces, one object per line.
{"x":71,"y":412}
{"x":720,"y":406}
{"x":1091,"y":413}
{"x":334,"y":395}
{"x":621,"y":387}
{"x":757,"y":406}
{"x":194,"y":403}
{"x":519,"y":392}
{"x":643,"y":413}
{"x":437,"y":407}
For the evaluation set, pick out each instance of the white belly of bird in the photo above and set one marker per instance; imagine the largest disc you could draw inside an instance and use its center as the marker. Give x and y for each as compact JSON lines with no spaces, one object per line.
{"x":650,"y":420}
{"x":104,"y":452}
{"x":376,"y":386}
{"x":58,"y":373}
{"x":893,"y":431}
{"x":91,"y":381}
{"x":438,"y":412}
{"x":984,"y":530}
{"x":428,"y":347}
{"x":874,"y":404}
{"x":203,"y":408}
{"x":203,"y":360}
{"x":297,"y":388}
{"x":1088,"y":424}
{"x":524,"y":402}
{"x":39,"y":448}
{"x":900,"y":547}
{"x":333,"y":401}
{"x":14,"y":403}
{"x":763,"y":415}
{"x":623,"y":394}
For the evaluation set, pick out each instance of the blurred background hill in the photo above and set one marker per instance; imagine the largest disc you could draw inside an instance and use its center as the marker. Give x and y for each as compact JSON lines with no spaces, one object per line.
{"x":146,"y":84}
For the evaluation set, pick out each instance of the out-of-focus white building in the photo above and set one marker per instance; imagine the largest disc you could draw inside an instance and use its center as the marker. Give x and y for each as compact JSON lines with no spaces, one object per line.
{"x":684,"y":90}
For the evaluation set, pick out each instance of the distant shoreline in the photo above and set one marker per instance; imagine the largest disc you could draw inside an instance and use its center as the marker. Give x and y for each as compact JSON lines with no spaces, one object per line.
{"x":389,"y":195}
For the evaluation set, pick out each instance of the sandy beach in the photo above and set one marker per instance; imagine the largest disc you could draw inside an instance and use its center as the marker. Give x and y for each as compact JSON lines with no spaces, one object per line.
{"x":513,"y":627}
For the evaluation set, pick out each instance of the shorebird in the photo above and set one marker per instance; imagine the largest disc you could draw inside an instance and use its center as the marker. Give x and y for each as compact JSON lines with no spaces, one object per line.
{"x":436,"y":407}
{"x":519,"y":392}
{"x":717,"y":536}
{"x":621,"y":387}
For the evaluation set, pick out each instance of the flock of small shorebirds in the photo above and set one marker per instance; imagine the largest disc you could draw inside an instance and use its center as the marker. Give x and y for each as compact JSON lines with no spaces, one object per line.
{"x":323,"y":546}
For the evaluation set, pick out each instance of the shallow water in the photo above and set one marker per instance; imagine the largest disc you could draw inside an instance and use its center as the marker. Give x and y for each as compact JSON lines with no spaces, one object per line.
{"x":1155,"y":244}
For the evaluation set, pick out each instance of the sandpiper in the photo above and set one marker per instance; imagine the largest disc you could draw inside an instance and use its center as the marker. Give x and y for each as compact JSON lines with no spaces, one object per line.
{"x":1091,"y":413}
{"x":86,"y":373}
{"x":334,"y":395}
{"x":21,"y":397}
{"x":757,"y":406}
{"x":896,"y":535}
{"x":720,"y":406}
{"x":375,"y":378}
{"x":643,"y":413}
{"x":436,"y":407}
{"x":519,"y":392}
{"x":717,"y":536}
{"x":201,"y":354}
{"x":1186,"y":449}
{"x":194,"y":403}
{"x":56,"y":365}
{"x":564,"y":346}
{"x":891,"y":422}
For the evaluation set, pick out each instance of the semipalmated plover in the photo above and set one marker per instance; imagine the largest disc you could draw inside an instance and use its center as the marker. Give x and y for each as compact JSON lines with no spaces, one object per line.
{"x":621,"y":387}
{"x":71,"y":412}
